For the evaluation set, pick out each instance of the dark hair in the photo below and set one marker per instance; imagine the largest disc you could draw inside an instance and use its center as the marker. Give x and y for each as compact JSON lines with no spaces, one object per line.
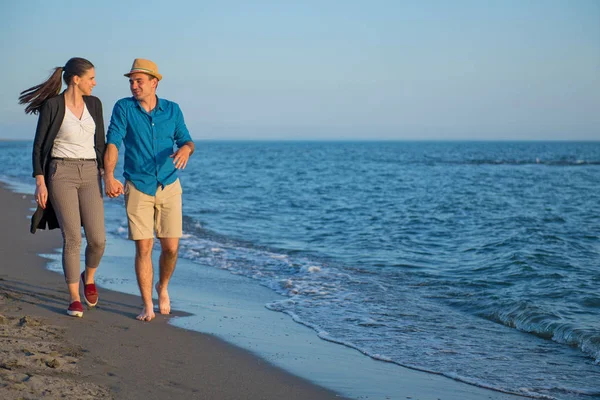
{"x":35,"y":96}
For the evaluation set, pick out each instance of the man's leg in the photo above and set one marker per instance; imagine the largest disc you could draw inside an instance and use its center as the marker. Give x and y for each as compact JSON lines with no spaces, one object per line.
{"x":167,"y":261}
{"x":168,"y":230}
{"x":140,"y":219}
{"x":144,"y":273}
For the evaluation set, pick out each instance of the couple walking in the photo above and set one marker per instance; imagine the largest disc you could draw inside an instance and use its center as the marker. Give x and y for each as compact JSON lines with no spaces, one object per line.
{"x":71,"y":157}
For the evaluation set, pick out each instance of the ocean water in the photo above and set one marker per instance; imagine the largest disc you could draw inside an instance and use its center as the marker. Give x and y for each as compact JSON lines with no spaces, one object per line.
{"x":479,"y":261}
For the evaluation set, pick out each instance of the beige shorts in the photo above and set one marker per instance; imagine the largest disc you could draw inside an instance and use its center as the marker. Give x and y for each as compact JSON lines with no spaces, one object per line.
{"x":161,"y":213}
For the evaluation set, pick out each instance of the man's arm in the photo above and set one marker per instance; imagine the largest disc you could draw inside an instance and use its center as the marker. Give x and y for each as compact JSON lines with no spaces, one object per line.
{"x":182,"y":155}
{"x":112,"y":186}
{"x":191,"y":145}
{"x":114,"y":137}
{"x":183,"y":141}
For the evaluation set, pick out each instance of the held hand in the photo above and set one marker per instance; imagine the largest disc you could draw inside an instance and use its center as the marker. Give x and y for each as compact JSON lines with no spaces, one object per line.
{"x":113,"y":187}
{"x":41,"y":194}
{"x":181,"y":156}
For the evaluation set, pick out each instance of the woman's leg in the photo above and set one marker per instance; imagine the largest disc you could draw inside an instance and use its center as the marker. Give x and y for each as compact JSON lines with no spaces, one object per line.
{"x":63,"y":187}
{"x":91,"y":206}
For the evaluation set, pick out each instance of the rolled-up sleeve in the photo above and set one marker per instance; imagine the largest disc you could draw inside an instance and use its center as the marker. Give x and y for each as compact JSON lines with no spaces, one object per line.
{"x":118,"y":126}
{"x":182,"y":135}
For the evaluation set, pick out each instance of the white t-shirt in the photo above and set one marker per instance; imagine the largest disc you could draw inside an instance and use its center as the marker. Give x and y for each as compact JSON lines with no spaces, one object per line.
{"x":75,"y":138}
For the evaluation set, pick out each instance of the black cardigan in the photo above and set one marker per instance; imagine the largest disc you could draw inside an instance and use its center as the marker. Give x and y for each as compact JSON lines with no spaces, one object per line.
{"x":51,"y":117}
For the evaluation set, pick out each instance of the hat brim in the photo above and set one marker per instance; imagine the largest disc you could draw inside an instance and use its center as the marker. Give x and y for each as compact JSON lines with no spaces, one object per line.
{"x":143,"y":71}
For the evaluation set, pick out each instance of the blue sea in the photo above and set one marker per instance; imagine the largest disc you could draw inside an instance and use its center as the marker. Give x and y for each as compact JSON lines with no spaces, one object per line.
{"x":478,"y":261}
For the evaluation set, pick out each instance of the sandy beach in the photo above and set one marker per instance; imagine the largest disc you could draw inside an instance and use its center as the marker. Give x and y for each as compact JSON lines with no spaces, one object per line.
{"x":108,"y":353}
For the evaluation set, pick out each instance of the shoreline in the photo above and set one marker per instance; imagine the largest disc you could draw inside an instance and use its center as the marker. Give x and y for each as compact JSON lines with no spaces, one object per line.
{"x":275,"y":358}
{"x":122,"y":357}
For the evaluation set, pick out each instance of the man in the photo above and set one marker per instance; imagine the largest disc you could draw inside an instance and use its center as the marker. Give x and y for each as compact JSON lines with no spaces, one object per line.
{"x":149,"y":127}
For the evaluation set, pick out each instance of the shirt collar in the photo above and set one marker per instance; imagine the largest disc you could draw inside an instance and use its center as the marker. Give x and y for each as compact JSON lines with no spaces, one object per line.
{"x":160,"y":104}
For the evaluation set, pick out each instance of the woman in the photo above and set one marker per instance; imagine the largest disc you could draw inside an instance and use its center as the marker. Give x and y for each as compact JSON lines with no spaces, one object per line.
{"x":67,"y":161}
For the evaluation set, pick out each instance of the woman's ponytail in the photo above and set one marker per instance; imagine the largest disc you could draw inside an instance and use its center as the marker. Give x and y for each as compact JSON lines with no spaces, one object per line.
{"x":35,"y":96}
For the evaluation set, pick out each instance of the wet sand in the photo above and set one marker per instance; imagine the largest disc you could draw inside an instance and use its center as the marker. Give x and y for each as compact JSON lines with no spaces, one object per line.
{"x":108,"y":353}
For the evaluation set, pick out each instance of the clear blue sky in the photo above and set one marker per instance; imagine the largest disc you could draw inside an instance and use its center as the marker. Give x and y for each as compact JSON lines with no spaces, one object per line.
{"x":369,"y":69}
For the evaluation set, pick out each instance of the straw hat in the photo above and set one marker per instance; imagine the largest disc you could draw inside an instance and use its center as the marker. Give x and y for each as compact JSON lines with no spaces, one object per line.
{"x":144,"y":66}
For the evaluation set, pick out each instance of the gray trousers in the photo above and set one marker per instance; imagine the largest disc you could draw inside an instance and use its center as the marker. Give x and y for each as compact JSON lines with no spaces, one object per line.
{"x":75,"y":190}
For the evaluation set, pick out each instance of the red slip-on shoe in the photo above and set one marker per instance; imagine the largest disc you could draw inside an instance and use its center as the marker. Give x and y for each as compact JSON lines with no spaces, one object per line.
{"x":75,"y":309}
{"x":90,"y":294}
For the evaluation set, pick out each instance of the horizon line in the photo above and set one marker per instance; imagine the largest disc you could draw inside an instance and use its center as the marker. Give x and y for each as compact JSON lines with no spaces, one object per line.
{"x":360,"y":140}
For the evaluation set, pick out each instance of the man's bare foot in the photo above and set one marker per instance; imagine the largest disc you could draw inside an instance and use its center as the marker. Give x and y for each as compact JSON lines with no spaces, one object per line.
{"x":147,"y":314}
{"x":164,"y":302}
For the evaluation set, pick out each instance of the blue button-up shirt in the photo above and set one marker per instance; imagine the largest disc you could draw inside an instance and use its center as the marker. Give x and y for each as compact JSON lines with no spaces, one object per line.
{"x":149,"y":139}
